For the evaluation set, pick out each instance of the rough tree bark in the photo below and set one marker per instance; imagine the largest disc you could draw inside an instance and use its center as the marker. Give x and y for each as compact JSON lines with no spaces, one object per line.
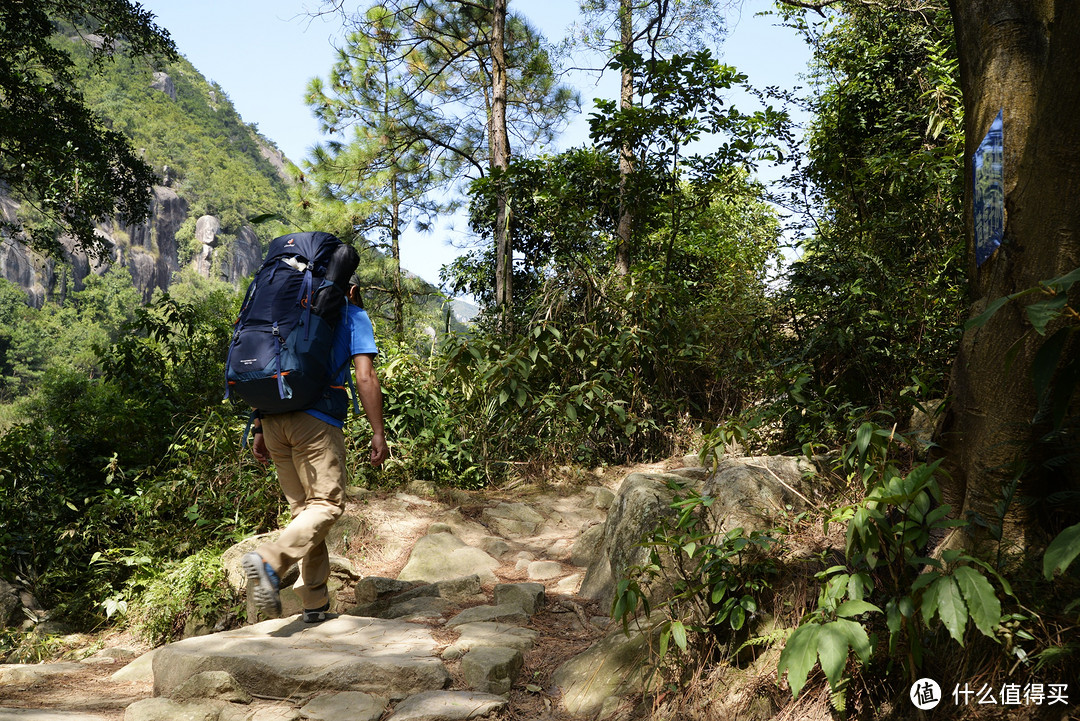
{"x":626,"y":99}
{"x":500,"y":158}
{"x":1019,"y":55}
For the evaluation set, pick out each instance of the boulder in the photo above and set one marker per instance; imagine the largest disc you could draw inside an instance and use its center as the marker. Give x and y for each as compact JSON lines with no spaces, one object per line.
{"x":276,"y":713}
{"x":617,"y":665}
{"x":424,"y":608}
{"x":586,"y":549}
{"x":749,"y":493}
{"x":494,"y":546}
{"x":544,"y":570}
{"x":285,"y":657}
{"x":165,"y":84}
{"x":10,"y":606}
{"x":372,"y":588}
{"x":753,"y":492}
{"x":460,"y":590}
{"x":603,"y":498}
{"x":447,"y":706}
{"x":512,"y":519}
{"x":443,"y":556}
{"x":211,"y":684}
{"x":351,"y":705}
{"x":165,"y":709}
{"x":207,"y":228}
{"x":464,"y":528}
{"x":642,"y":500}
{"x":247,"y":255}
{"x":141,"y":669}
{"x":27,"y":674}
{"x":157,"y":236}
{"x":492,"y":669}
{"x":570,"y":585}
{"x":38,"y":714}
{"x":487,"y":633}
{"x":529,"y":596}
{"x":504,"y":613}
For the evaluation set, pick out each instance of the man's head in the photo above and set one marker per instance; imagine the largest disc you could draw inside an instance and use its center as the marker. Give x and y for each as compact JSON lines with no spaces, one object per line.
{"x":353,"y":293}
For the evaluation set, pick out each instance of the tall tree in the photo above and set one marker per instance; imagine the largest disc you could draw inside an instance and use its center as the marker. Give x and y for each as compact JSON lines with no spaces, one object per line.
{"x":623,"y":32}
{"x":478,"y":84}
{"x":387,"y":170}
{"x":1018,"y":56}
{"x":500,"y":157}
{"x":56,"y":155}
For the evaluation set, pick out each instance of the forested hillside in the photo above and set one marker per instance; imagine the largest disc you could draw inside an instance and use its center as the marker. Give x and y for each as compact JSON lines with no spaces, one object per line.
{"x":637,"y":304}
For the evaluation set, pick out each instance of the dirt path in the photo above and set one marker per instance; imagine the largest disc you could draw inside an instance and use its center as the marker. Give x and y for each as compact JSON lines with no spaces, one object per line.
{"x":388,"y":524}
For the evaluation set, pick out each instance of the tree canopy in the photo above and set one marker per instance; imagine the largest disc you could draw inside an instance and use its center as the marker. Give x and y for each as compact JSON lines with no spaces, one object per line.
{"x":56,"y":154}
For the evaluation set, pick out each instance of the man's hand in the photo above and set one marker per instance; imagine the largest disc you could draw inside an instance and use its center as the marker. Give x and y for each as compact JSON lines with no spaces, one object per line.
{"x":379,"y":450}
{"x":258,"y":449}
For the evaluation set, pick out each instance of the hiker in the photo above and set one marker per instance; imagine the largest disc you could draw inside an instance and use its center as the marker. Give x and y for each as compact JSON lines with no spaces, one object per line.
{"x":308,"y":448}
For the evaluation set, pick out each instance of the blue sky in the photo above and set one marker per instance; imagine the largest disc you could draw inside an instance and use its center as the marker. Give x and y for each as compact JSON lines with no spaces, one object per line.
{"x":263,"y":52}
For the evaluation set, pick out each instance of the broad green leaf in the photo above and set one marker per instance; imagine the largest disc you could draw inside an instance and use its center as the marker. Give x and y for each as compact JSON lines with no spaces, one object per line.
{"x":1042,"y":312}
{"x":738,"y":617}
{"x":863,"y":436}
{"x":1065,"y":282}
{"x":832,"y":648}
{"x":857,"y":638}
{"x":893,"y":618}
{"x":849,"y":609}
{"x":799,"y":656}
{"x":981,"y":319}
{"x":950,"y":606}
{"x":1062,"y":551}
{"x":678,"y":633}
{"x":665,"y":635}
{"x":982,"y":603}
{"x":1046,"y":361}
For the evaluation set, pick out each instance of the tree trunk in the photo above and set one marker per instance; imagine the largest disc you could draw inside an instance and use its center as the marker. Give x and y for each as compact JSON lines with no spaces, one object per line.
{"x":1018,"y":55}
{"x":500,"y":158}
{"x":395,"y":251}
{"x":626,"y":100}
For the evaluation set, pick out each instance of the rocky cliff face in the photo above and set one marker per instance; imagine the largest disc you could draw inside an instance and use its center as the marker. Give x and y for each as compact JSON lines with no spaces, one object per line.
{"x":149,"y":250}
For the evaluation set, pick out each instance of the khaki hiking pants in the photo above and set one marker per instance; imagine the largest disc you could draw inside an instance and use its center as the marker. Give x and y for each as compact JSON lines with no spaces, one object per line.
{"x":310,"y":459}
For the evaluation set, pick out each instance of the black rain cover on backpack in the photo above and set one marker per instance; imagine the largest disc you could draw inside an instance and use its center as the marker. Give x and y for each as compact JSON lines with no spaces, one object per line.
{"x":279,"y":357}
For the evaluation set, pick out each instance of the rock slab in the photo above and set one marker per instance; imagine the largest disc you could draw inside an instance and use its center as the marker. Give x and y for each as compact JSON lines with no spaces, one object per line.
{"x":492,"y":669}
{"x":352,"y":705}
{"x":447,"y":706}
{"x":285,"y":658}
{"x":444,"y":556}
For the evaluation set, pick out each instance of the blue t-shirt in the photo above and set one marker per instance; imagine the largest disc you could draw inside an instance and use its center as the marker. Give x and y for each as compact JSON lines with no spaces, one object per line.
{"x":355,"y":335}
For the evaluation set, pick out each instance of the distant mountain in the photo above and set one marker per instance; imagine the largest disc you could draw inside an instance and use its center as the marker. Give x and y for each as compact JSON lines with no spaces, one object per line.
{"x":464,"y":311}
{"x":215,"y":172}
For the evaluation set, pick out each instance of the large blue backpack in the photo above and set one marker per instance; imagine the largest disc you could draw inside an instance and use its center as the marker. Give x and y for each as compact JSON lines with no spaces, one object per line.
{"x":279,"y":358}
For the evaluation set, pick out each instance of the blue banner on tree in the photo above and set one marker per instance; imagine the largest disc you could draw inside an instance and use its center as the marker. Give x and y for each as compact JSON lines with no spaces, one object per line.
{"x":989,"y":172}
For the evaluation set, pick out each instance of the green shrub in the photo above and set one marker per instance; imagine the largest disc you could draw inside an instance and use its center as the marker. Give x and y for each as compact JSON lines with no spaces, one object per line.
{"x":717,"y":580}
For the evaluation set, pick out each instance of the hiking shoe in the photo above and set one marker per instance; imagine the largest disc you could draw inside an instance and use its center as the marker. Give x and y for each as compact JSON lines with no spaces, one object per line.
{"x":262,"y":584}
{"x":316,"y":615}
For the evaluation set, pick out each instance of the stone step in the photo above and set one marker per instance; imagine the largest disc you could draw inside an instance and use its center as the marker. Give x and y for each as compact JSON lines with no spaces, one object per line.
{"x":285,"y":658}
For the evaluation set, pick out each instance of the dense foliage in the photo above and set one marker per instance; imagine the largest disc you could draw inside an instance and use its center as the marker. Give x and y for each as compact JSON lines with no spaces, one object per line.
{"x":56,"y":154}
{"x":121,"y":464}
